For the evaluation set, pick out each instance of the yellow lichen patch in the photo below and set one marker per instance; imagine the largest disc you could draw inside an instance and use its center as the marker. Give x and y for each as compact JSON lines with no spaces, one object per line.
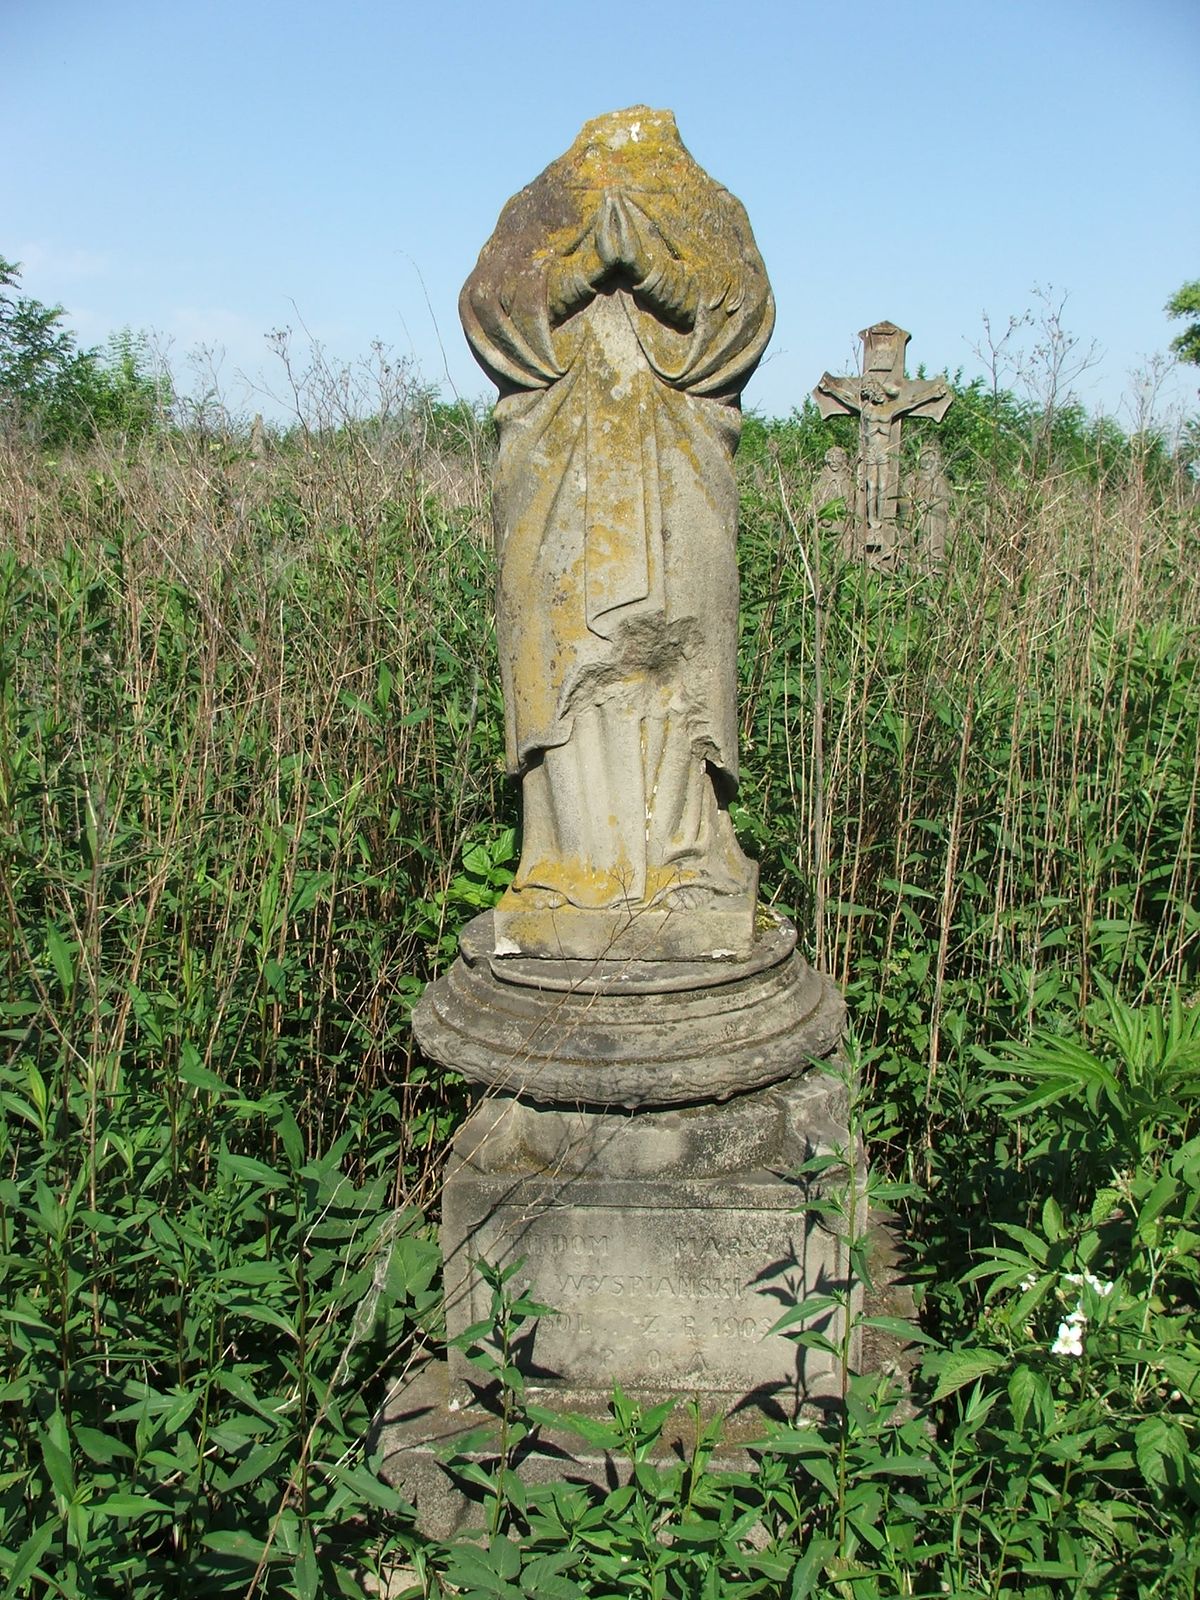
{"x":636,"y":149}
{"x":578,"y":883}
{"x":636,"y":152}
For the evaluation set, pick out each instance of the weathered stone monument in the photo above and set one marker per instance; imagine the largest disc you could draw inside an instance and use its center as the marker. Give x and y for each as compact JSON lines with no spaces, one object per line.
{"x":640,"y":1030}
{"x":881,"y":396}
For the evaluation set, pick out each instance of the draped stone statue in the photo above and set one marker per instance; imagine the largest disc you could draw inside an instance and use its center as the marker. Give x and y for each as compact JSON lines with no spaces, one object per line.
{"x":835,"y":482}
{"x":620,"y":306}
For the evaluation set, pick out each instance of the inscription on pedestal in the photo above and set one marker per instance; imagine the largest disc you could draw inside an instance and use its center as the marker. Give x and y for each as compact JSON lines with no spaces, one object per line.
{"x":654,"y":1296}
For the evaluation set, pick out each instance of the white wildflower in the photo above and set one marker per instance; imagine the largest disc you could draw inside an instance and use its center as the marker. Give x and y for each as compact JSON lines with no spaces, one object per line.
{"x":1070,"y":1335}
{"x":1069,"y":1341}
{"x":1100,"y":1285}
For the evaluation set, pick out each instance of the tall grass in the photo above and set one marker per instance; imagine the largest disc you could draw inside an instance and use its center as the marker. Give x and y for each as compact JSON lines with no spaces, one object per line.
{"x":982,"y":783}
{"x":250,"y":788}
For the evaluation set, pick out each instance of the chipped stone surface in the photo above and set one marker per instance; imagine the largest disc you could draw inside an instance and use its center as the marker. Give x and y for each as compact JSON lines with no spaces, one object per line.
{"x":620,"y":306}
{"x":770,"y":1131}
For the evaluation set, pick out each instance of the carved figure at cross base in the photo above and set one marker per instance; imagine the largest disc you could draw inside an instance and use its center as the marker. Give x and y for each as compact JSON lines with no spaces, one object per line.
{"x":835,"y":483}
{"x":881,"y":396}
{"x":925,"y":509}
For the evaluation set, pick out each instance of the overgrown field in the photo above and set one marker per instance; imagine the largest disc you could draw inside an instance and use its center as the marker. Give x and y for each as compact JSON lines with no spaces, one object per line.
{"x":251,"y":788}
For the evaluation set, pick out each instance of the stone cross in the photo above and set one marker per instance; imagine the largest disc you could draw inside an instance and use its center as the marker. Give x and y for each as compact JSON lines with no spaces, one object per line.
{"x":881,"y":396}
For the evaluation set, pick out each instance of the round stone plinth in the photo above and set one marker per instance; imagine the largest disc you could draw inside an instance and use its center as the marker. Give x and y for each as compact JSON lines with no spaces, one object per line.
{"x":648,"y":1038}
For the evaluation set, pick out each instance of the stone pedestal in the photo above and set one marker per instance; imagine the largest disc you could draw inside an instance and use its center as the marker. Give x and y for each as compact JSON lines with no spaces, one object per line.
{"x":636,"y":1150}
{"x":636,"y":1147}
{"x":636,"y":1155}
{"x":668,"y":1244}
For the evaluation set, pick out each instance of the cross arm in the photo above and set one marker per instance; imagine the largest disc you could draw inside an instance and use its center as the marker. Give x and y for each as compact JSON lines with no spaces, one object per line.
{"x":929,"y":397}
{"x":837,"y":397}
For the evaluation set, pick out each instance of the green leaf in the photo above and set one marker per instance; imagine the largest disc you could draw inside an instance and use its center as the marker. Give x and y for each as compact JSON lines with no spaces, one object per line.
{"x":286,"y":1126}
{"x":551,"y":1586}
{"x":810,"y":1567}
{"x":253,"y":1171}
{"x":818,"y":1465}
{"x":372,"y":1491}
{"x":28,"y":1556}
{"x":256,"y":1465}
{"x":101,"y":1448}
{"x":1162,"y":1449}
{"x":506,"y":1557}
{"x":961,"y":1367}
{"x":56,"y":1455}
{"x":305,"y":1570}
{"x":900,"y":1327}
{"x":594,"y":1430}
{"x":1156,"y":1201}
{"x":478,"y":1570}
{"x":193,"y":1071}
{"x":474,"y":1472}
{"x":1022,"y":1389}
{"x":64,"y":965}
{"x":265,"y":1314}
{"x":237,"y":1543}
{"x":810,"y":1307}
{"x":127,"y":1505}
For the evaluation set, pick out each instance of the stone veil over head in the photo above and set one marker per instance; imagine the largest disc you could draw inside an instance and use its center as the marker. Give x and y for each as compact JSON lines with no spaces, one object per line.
{"x":620,"y":306}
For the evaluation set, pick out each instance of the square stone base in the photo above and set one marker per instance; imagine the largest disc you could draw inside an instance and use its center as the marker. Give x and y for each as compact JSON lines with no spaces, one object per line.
{"x":668,"y":1244}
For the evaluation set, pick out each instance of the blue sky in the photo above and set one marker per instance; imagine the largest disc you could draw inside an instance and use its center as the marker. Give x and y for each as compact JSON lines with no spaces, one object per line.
{"x":216,"y":169}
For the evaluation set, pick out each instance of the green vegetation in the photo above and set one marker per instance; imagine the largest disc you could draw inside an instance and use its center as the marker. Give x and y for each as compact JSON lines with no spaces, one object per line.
{"x":251,"y":789}
{"x":1185,"y":302}
{"x":60,"y":394}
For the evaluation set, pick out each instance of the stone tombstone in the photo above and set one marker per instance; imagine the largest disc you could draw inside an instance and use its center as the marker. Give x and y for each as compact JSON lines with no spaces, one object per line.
{"x":881,"y":396}
{"x":643,"y":1037}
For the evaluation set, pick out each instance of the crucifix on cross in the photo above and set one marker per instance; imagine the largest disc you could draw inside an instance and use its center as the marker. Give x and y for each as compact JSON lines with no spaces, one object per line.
{"x":881,"y":396}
